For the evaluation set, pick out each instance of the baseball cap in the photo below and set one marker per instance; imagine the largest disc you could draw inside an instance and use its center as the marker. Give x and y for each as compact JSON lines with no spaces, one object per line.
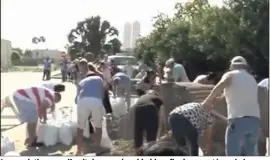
{"x":83,"y":60}
{"x":238,"y":60}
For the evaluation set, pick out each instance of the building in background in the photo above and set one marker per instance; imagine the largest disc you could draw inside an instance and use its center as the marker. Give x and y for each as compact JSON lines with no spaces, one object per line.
{"x":6,"y":51}
{"x":42,"y":53}
{"x":127,"y":35}
{"x":136,"y":31}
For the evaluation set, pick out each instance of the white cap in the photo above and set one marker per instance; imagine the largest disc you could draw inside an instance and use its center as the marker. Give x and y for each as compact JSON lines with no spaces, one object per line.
{"x":169,"y":61}
{"x":239,"y":60}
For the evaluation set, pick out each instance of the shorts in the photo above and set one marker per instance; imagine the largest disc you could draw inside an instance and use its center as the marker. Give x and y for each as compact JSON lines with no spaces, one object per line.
{"x":89,"y":106}
{"x":28,"y":112}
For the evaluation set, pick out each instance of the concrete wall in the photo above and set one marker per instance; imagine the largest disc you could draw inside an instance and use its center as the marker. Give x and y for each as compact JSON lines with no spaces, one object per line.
{"x":42,"y":53}
{"x":6,"y":51}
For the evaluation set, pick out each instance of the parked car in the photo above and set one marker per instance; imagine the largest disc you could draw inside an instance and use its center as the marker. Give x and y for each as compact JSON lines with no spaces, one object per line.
{"x":122,"y":60}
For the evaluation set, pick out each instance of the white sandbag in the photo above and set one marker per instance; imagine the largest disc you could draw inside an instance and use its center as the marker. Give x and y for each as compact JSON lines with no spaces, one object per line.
{"x":7,"y":145}
{"x":119,"y":106}
{"x":12,"y":153}
{"x":86,"y":133}
{"x":48,"y":133}
{"x":106,"y":141}
{"x":66,"y":133}
{"x":90,"y":154}
{"x":133,"y":101}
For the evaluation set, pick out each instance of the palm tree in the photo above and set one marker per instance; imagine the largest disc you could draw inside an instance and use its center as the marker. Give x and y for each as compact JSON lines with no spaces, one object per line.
{"x":35,"y":40}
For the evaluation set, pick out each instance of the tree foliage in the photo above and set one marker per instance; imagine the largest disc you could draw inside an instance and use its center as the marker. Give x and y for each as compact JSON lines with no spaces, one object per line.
{"x":37,"y":40}
{"x":93,"y":35}
{"x":15,"y":57}
{"x":205,"y":37}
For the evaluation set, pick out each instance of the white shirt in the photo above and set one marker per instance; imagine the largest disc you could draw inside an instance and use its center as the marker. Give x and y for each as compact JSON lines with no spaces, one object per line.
{"x":264,"y":83}
{"x":200,"y":78}
{"x":241,"y":95}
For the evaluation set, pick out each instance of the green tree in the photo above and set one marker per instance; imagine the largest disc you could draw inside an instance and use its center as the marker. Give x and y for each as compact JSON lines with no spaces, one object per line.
{"x":205,"y":37}
{"x":15,"y":57}
{"x":91,"y":35}
{"x":17,"y":50}
{"x":27,"y":53}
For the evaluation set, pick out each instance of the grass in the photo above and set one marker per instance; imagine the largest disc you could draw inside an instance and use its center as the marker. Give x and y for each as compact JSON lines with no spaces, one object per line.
{"x":123,"y":148}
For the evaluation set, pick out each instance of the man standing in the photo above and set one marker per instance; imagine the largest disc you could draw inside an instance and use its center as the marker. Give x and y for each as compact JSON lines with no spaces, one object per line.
{"x":240,"y":91}
{"x":47,"y":68}
{"x":263,"y":99}
{"x":64,"y":70}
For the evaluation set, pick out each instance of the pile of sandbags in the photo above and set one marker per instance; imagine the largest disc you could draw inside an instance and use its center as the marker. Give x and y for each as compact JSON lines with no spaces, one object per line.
{"x":7,"y":145}
{"x":60,"y":128}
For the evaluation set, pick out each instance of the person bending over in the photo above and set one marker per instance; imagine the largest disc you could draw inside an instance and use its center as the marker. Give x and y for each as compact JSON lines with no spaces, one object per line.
{"x":146,"y":112}
{"x":106,"y":98}
{"x":32,"y":103}
{"x":146,"y":83}
{"x":188,"y":122}
{"x":121,"y":86}
{"x":89,"y":103}
{"x":210,"y":78}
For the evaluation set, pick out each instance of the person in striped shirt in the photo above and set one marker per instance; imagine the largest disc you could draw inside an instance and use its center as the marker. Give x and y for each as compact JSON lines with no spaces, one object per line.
{"x":31,"y":104}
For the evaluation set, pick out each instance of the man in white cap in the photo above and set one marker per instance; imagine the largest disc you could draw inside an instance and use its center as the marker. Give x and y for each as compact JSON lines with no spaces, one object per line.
{"x":240,"y":91}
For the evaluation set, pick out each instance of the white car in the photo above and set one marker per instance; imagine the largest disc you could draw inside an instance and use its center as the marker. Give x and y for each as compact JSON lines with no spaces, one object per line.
{"x":122,"y":60}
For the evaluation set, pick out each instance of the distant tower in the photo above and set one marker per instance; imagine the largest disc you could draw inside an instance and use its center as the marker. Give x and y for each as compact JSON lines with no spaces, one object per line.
{"x":136,"y":31}
{"x":127,"y":36}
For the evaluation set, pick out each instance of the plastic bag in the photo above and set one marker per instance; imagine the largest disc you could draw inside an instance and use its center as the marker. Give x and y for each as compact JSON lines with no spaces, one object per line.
{"x":66,"y":133}
{"x":133,"y":101}
{"x":106,"y":141}
{"x":119,"y":106}
{"x":90,"y":154}
{"x":7,"y":145}
{"x":12,"y":153}
{"x":48,"y":133}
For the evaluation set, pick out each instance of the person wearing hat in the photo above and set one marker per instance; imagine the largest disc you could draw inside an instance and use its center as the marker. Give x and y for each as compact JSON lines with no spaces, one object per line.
{"x":240,"y":91}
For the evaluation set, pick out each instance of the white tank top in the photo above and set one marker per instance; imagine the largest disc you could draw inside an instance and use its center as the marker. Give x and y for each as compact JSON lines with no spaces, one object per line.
{"x":241,"y":95}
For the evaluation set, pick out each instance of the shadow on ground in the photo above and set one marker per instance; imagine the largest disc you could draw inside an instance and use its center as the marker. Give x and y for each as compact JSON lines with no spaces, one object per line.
{"x":60,"y":150}
{"x":56,"y":150}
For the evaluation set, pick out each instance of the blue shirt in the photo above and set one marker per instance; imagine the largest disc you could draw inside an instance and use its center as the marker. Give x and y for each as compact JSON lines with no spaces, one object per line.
{"x":90,"y":87}
{"x":123,"y":78}
{"x":47,"y":64}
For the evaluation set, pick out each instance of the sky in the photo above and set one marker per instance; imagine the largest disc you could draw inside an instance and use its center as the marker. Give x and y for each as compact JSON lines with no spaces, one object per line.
{"x":23,"y":19}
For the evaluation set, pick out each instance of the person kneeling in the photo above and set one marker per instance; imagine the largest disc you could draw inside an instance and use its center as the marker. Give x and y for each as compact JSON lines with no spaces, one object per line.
{"x":32,"y":104}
